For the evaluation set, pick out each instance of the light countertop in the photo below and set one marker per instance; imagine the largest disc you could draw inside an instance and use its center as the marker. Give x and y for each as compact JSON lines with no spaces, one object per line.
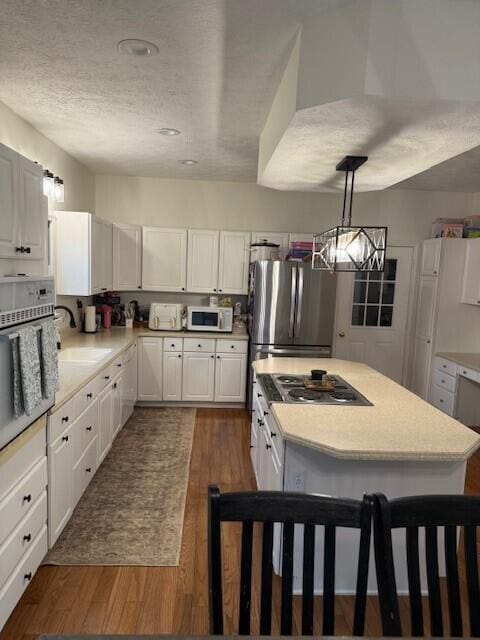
{"x":74,"y":376}
{"x":399,"y":425}
{"x":469,"y":360}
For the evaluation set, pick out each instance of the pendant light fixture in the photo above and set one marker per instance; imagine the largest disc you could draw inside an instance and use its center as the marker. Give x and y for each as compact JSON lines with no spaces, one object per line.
{"x":347,"y":247}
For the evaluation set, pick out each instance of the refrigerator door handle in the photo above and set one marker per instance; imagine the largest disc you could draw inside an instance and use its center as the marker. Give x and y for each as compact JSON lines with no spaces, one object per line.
{"x":299,"y":298}
{"x":293,"y":291}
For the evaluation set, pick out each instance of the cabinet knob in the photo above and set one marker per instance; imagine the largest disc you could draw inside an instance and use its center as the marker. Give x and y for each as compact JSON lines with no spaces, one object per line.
{"x":20,"y":249}
{"x":251,"y":446}
{"x":260,"y":422}
{"x":232,"y":346}
{"x":119,"y":364}
{"x":89,"y":428}
{"x":27,"y":537}
{"x":172,"y":345}
{"x":428,"y":342}
{"x":28,"y":576}
{"x":199,"y":346}
{"x":268,"y":446}
{"x":27,"y":498}
{"x":65,"y":438}
{"x":218,"y":357}
{"x":89,"y":396}
{"x":65,"y":419}
{"x":212,"y":356}
{"x":441,"y":399}
{"x":183,"y":288}
{"x":179,"y":355}
{"x":265,"y":413}
{"x":214,"y":289}
{"x":27,"y":250}
{"x":107,"y":377}
{"x":259,"y":395}
{"x":220,"y":290}
{"x":273,"y":434}
{"x":88,"y":469}
{"x":114,"y":385}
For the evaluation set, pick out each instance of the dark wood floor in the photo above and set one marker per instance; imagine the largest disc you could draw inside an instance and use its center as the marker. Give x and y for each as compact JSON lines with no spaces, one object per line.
{"x":174,"y":600}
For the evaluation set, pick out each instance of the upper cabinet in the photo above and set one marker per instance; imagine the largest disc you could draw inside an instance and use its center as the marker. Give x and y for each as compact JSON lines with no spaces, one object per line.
{"x":83,"y":266}
{"x":233,"y":262}
{"x":164,"y":264}
{"x":23,"y":207}
{"x":431,"y":253}
{"x":127,"y":257}
{"x":471,"y":273}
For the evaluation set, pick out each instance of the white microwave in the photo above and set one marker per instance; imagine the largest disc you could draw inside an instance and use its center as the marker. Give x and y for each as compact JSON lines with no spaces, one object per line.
{"x":209,"y":319}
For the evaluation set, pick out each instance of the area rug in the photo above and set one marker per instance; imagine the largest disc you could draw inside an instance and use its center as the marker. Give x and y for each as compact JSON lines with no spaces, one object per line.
{"x":132,"y":511}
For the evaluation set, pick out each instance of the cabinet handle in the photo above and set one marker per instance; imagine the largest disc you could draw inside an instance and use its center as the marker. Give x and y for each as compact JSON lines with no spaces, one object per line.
{"x":89,"y":428}
{"x":27,"y":498}
{"x":88,"y":469}
{"x":107,"y":377}
{"x":65,"y":438}
{"x":20,"y":249}
{"x":65,"y":419}
{"x":268,"y":446}
{"x":114,"y":385}
{"x":251,"y":446}
{"x":28,"y":576}
{"x":119,"y":364}
{"x":259,"y":395}
{"x":265,"y":413}
{"x":27,"y":250}
{"x":273,"y":434}
{"x":89,"y":396}
{"x":260,"y":422}
{"x":27,"y":537}
{"x":103,"y":289}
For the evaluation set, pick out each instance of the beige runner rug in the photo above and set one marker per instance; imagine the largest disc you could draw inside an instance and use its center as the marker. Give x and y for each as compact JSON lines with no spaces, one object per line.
{"x":132,"y":511}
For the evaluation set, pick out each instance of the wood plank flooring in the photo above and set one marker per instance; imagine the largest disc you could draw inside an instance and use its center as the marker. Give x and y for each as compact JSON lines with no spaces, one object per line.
{"x":171,"y":600}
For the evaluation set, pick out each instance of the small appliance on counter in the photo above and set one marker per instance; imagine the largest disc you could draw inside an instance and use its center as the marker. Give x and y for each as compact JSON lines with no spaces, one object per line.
{"x":165,"y":316}
{"x":210,"y":319}
{"x":264,"y":250}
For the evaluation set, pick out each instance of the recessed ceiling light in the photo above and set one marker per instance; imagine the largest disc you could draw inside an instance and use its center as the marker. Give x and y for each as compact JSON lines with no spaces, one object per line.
{"x":166,"y":131}
{"x":188,"y":162}
{"x":135,"y":47}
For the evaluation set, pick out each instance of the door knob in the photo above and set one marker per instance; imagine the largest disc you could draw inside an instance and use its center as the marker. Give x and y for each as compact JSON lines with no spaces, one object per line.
{"x":341,"y":334}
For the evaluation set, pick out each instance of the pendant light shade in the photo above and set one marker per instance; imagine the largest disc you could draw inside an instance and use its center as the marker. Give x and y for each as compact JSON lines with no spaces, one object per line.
{"x":347,"y":247}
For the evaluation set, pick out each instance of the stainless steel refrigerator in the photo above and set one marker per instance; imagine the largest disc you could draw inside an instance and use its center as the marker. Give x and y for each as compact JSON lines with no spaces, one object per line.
{"x":291,"y":311}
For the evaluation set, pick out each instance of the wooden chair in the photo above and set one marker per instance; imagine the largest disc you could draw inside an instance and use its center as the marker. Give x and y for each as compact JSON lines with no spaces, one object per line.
{"x":430,"y":512}
{"x":269,"y":507}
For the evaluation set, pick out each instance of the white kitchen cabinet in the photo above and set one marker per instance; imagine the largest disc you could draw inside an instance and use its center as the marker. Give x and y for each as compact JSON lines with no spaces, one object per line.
{"x":23,"y":207}
{"x":422,"y":358}
{"x":129,"y":386}
{"x":426,"y":303}
{"x":82,"y":267}
{"x":164,"y":264}
{"x":105,"y":424}
{"x":471,"y":273}
{"x":117,"y":385}
{"x":233,"y":262}
{"x":127,"y":257}
{"x":230,"y":377}
{"x":431,"y":254}
{"x":150,"y":368}
{"x":172,"y":375}
{"x":202,"y":269}
{"x":198,"y":378}
{"x":60,"y":489}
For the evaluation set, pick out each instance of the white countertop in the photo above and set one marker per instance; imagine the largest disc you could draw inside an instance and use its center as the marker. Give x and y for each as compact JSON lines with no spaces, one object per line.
{"x":469,"y":360}
{"x":399,"y":425}
{"x":74,"y":376}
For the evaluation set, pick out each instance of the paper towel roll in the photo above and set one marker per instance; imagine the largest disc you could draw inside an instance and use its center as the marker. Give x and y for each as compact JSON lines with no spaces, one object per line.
{"x":90,"y":322}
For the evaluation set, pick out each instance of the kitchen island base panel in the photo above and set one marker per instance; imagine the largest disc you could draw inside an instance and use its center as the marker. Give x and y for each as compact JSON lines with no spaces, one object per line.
{"x":324,"y":474}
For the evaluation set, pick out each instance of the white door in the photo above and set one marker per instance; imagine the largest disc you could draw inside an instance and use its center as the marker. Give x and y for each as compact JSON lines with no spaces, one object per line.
{"x":426,"y":305}
{"x":96,"y":255}
{"x":172,"y":375}
{"x":230,"y":377}
{"x":372,"y":313}
{"x":233,"y":262}
{"x":150,"y":367}
{"x":422,"y":358}
{"x":430,"y":260}
{"x":33,"y":209}
{"x":9,"y":239}
{"x":202,"y":269}
{"x":198,"y":376}
{"x":60,"y":496}
{"x":127,"y":257}
{"x":164,"y":264}
{"x":105,"y":408}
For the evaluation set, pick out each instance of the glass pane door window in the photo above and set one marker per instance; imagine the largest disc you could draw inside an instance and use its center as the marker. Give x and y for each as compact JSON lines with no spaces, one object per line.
{"x":374,"y":296}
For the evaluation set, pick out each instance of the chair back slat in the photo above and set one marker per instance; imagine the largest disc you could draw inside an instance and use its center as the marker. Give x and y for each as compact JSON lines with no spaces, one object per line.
{"x":266,"y":584}
{"x":287,"y":580}
{"x":246,"y":578}
{"x":453,"y":583}
{"x":433,"y":581}
{"x":414,"y":584}
{"x":471,"y":568}
{"x":362,"y":570}
{"x":328,"y":627}
{"x":308,"y":579}
{"x":215,"y":563}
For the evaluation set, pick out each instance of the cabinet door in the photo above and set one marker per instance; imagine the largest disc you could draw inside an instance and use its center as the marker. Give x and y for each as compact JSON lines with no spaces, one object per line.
{"x":129,"y":386}
{"x":421,"y":367}
{"x":105,"y":403}
{"x":117,"y":405}
{"x":426,"y":304}
{"x":33,"y":209}
{"x":96,"y":256}
{"x":150,"y":366}
{"x":230,"y":377}
{"x":198,"y":376}
{"x":9,"y":239}
{"x":127,"y":257}
{"x":471,"y":273}
{"x":164,"y":264}
{"x":60,"y":497}
{"x":202,"y":269}
{"x":431,"y":252}
{"x":233,"y":262}
{"x":107,"y":253}
{"x":172,"y":375}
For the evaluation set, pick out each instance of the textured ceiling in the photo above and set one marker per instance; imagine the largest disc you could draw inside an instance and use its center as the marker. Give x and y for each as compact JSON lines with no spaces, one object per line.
{"x":218,"y":66}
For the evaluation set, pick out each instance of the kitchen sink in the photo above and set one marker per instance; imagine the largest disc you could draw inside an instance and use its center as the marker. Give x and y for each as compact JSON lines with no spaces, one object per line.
{"x":83,"y":355}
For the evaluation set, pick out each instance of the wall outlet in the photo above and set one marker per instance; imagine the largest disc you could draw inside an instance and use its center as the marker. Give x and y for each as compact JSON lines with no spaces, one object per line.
{"x":298,"y":481}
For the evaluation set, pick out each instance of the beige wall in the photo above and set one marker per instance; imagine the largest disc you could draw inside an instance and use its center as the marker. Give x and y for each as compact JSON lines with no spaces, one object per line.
{"x":245,"y":206}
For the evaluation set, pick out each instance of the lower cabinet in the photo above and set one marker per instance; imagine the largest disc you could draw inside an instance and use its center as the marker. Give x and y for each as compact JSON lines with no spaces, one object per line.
{"x":172,"y":375}
{"x":105,"y":422}
{"x":129,"y":386}
{"x":60,"y":489}
{"x":117,"y":424}
{"x":150,"y":367}
{"x":198,"y":381}
{"x":84,"y":470}
{"x":230,"y":377}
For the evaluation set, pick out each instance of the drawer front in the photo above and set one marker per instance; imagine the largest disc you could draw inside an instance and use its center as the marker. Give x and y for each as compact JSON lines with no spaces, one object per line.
{"x":18,"y":502}
{"x":174,"y":344}
{"x":90,"y":392}
{"x":84,"y":470}
{"x":21,"y":539}
{"x":199,"y":344}
{"x":443,"y":400}
{"x":86,"y":428}
{"x":27,"y":456}
{"x":129,"y":354}
{"x":106,"y":376}
{"x":445,"y":381}
{"x":276,"y":439}
{"x":232,"y":346}
{"x":468,"y":373}
{"x":445,"y":365}
{"x":18,"y":581}
{"x":61,"y":419}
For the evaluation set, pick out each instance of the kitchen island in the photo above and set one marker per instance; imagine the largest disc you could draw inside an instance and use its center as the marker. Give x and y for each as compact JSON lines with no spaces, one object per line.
{"x":398,"y":445}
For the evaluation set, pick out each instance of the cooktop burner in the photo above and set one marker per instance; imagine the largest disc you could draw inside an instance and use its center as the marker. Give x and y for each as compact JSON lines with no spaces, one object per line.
{"x":343,"y":396}
{"x":305,"y":395}
{"x":290,"y":379}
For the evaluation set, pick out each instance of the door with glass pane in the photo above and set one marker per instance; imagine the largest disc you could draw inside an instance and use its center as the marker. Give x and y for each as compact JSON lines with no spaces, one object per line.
{"x":372,"y":314}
